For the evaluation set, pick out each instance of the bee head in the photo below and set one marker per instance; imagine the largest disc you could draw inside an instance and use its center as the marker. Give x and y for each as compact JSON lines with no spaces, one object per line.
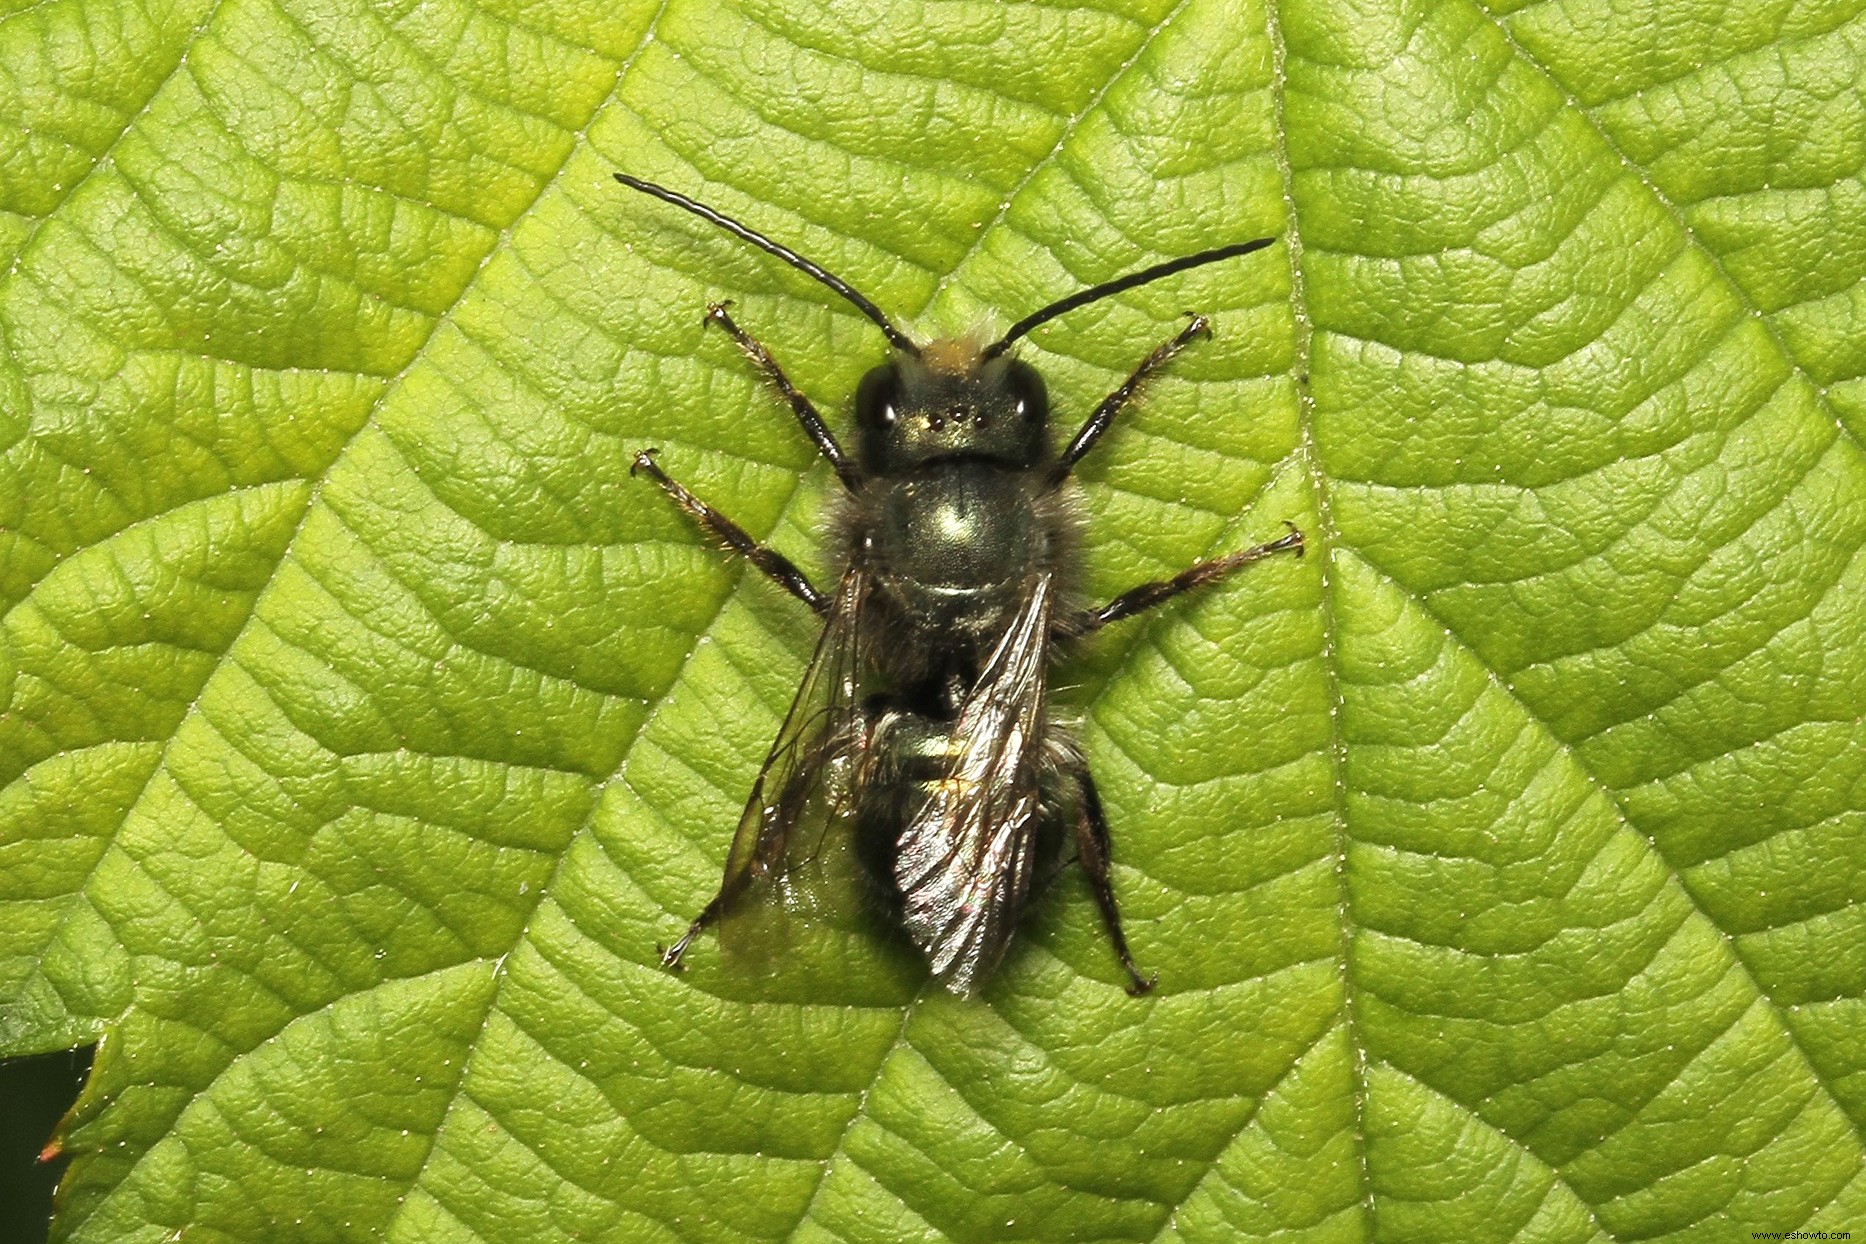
{"x":951,"y":401}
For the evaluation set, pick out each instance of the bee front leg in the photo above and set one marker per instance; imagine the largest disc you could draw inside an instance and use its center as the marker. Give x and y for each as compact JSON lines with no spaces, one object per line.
{"x":1098,"y":423}
{"x":1147,"y":595}
{"x":812,"y":423}
{"x":1092,"y":851}
{"x":777,"y":567}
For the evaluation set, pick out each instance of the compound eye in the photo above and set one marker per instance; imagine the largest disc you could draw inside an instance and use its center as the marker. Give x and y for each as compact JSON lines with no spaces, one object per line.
{"x":1030,"y":400}
{"x":877,"y":399}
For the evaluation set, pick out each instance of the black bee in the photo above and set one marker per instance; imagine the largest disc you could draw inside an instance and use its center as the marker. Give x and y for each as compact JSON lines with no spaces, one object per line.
{"x":920,"y":727}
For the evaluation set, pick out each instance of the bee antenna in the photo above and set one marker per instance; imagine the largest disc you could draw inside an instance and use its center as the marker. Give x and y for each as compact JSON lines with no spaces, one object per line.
{"x":900,"y":340}
{"x":1095,"y":293}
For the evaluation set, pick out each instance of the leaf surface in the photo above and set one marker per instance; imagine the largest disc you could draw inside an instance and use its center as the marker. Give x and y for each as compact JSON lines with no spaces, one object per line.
{"x":1504,"y":860}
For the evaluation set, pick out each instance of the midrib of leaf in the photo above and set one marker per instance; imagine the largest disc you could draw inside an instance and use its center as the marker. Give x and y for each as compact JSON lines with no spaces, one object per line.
{"x":1328,"y":537}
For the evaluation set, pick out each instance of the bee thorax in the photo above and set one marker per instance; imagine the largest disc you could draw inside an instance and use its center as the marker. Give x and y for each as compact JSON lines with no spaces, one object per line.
{"x":953,"y":544}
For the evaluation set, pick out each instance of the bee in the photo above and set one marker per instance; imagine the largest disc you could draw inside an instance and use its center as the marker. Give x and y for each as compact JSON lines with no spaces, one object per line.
{"x":921,"y":727}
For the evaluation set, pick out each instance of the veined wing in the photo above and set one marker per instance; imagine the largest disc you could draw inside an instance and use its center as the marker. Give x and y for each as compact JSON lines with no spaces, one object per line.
{"x":811,"y":768}
{"x":966,"y":856}
{"x":808,"y":780}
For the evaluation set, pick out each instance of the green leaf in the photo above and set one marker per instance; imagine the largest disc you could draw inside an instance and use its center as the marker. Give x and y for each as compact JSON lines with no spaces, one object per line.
{"x":365,"y":726}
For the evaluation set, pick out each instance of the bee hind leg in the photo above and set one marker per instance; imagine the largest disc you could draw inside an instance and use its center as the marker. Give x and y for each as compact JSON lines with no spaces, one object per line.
{"x":1092,"y":849}
{"x":670,"y":955}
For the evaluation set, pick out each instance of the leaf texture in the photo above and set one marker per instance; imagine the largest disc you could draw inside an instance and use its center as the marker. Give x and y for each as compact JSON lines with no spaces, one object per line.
{"x":365,"y":727}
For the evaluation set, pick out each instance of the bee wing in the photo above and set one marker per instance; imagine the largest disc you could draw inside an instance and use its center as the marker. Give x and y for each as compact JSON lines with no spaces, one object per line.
{"x":808,"y":781}
{"x":965,"y":858}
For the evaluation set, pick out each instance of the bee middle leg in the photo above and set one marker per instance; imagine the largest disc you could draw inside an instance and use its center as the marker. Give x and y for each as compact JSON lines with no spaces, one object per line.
{"x":812,"y":423}
{"x":1092,"y":851}
{"x":779,"y":568}
{"x":1147,"y":595}
{"x":1098,"y":423}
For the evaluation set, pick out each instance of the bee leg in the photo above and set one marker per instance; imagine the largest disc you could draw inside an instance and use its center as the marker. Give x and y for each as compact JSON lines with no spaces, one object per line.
{"x":670,"y":955}
{"x":1084,"y":440}
{"x":731,"y":890}
{"x":1092,"y":852}
{"x":813,"y":425}
{"x":779,"y":568}
{"x":1147,"y":595}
